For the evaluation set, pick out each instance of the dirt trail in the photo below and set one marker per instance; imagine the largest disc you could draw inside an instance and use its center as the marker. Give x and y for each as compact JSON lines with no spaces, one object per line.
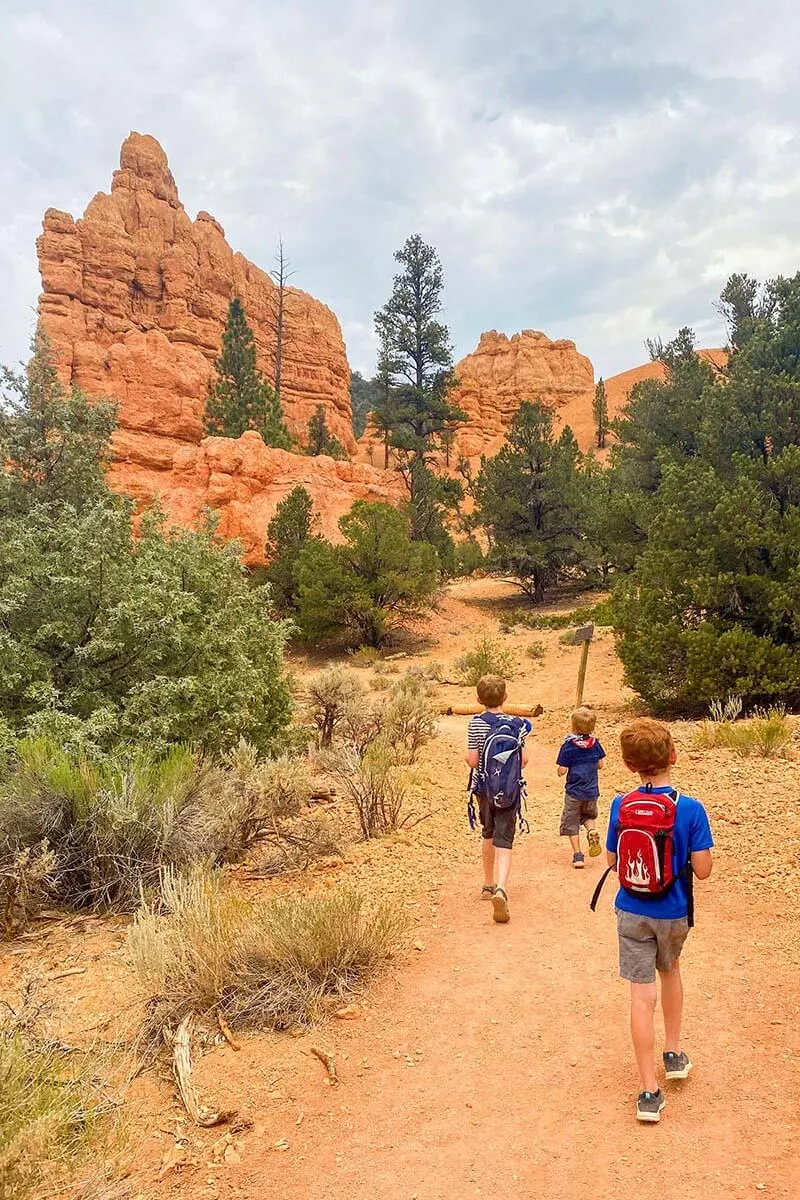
{"x":497,"y":1062}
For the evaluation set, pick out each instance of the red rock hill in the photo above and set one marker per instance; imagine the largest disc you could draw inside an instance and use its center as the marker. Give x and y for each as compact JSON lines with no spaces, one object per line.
{"x":134,"y":299}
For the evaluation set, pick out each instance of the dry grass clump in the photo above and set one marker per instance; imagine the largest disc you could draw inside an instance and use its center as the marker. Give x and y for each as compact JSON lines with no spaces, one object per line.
{"x":380,"y":793}
{"x":299,"y":841}
{"x":111,"y":825}
{"x":490,"y":657}
{"x":536,"y":651}
{"x":50,"y":1111}
{"x":332,"y":695}
{"x":409,"y":720}
{"x":767,"y":734}
{"x":365,"y":656}
{"x":26,"y":882}
{"x":272,"y":964}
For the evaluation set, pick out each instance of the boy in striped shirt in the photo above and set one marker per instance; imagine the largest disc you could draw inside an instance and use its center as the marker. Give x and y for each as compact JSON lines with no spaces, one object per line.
{"x":498,"y":826}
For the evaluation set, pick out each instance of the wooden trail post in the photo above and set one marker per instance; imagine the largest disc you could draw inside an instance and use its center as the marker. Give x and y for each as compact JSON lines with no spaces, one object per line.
{"x":582,"y":637}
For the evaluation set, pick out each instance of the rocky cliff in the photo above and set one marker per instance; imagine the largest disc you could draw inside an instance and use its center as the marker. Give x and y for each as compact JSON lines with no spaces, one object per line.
{"x":134,"y":299}
{"x":503,"y":371}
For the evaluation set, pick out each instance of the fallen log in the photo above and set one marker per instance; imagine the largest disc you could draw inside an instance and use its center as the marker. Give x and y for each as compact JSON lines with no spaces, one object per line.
{"x":474,"y":710}
{"x":182,"y":1070}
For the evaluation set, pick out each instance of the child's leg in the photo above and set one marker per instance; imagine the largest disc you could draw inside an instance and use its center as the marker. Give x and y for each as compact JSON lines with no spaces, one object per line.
{"x":672,"y":1004}
{"x":502,"y":859}
{"x":643,"y":1032}
{"x":575,"y":842}
{"x":488,"y":853}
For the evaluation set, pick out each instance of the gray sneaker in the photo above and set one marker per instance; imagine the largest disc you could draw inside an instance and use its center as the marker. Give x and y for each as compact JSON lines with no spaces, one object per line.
{"x":649,"y":1106}
{"x":578,"y":860}
{"x":677,"y":1066}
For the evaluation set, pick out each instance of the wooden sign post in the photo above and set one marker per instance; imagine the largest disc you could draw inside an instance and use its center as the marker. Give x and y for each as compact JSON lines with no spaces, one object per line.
{"x":582,"y":637}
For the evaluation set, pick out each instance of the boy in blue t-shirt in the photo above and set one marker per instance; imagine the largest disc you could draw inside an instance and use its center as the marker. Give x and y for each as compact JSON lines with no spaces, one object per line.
{"x":652,"y":930}
{"x":580,"y":759}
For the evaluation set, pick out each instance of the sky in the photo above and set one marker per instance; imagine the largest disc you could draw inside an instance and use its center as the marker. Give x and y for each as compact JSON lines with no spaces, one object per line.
{"x":594,"y":170}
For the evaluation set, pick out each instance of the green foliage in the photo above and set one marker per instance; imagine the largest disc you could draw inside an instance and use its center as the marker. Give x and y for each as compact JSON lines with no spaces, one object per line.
{"x":161,"y":634}
{"x":600,"y":412}
{"x":53,"y":442}
{"x":155,"y":636}
{"x":469,"y":558}
{"x":599,"y":614}
{"x":320,"y":439}
{"x":530,"y":500}
{"x":415,"y":373}
{"x":536,"y":651}
{"x":240,"y":398}
{"x":369,"y":586}
{"x":490,"y":657}
{"x":287,"y":534}
{"x":710,"y":606}
{"x":365,"y":656}
{"x":107,"y":827}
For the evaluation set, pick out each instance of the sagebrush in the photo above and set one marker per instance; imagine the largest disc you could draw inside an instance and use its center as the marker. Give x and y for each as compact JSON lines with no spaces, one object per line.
{"x":270,"y":964}
{"x":767,"y":734}
{"x":489,"y":657}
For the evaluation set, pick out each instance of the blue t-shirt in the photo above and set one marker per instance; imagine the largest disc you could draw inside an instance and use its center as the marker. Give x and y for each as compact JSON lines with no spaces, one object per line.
{"x":692,"y":832}
{"x":581,"y":755}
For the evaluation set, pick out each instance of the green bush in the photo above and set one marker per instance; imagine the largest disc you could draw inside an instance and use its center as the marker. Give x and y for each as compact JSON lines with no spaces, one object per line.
{"x":107,"y":827}
{"x":490,"y":657}
{"x":372,"y":584}
{"x":469,"y":558}
{"x":153,"y":636}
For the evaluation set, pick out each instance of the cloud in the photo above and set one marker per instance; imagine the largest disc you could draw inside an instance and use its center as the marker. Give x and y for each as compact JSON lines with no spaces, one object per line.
{"x":596,"y":173}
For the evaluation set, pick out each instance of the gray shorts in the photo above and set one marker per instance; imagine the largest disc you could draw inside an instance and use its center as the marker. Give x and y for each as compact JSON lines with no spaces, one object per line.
{"x":576,"y":813}
{"x":648,"y":944}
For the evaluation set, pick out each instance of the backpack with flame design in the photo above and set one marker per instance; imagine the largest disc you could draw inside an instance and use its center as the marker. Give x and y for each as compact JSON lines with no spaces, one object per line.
{"x":646,"y":847}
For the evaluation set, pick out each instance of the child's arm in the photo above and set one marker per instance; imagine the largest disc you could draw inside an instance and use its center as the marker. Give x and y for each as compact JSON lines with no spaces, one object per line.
{"x":473,"y":757}
{"x":600,"y":763}
{"x":611,"y":859}
{"x":525,"y":756}
{"x":562,"y":771}
{"x":702,"y":862}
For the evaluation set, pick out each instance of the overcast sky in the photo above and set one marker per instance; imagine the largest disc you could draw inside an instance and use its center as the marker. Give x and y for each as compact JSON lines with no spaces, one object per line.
{"x":595,"y":170}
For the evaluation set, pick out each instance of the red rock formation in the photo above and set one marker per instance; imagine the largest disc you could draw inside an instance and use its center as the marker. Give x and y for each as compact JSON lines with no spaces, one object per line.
{"x":135,"y":297}
{"x":244,"y":480}
{"x":502,"y":372}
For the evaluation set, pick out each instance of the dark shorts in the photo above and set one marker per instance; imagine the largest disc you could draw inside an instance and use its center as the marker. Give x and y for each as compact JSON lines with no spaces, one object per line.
{"x":576,"y":812}
{"x":498,"y":824}
{"x":648,"y":944}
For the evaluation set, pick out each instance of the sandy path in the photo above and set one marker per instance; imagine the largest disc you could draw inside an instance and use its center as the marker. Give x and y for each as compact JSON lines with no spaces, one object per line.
{"x":497,"y":1063}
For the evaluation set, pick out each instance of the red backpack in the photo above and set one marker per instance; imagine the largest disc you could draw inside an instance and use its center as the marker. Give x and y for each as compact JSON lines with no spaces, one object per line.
{"x":646,"y":846}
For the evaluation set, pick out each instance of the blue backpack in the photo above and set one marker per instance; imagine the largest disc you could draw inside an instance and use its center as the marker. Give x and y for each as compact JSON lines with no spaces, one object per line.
{"x":498,"y":776}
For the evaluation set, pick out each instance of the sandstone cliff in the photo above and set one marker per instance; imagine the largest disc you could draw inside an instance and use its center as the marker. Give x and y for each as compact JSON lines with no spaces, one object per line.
{"x":502,"y":372}
{"x":134,"y":299}
{"x":244,"y":481}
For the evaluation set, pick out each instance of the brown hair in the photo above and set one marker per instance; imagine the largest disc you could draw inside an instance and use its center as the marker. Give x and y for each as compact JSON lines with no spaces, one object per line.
{"x":492,"y":690}
{"x":647,"y":746}
{"x":584,"y":719}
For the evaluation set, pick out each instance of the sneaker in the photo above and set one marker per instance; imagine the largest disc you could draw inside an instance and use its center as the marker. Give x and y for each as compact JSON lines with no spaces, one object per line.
{"x":593,"y":837}
{"x":677,"y":1066}
{"x":487,"y":891}
{"x":500,"y":905}
{"x":649,"y":1106}
{"x":578,"y":860}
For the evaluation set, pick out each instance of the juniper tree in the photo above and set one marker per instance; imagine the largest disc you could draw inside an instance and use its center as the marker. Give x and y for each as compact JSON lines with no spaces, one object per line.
{"x":320,"y":439}
{"x":600,"y":410}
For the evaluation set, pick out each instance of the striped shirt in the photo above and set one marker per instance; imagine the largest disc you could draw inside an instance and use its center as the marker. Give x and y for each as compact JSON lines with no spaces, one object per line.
{"x":477,"y":732}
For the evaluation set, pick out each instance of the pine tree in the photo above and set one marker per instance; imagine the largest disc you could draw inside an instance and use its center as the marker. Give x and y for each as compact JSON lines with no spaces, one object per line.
{"x":530,"y":501}
{"x":600,"y":410}
{"x":240,"y":398}
{"x":287,"y":534}
{"x":417,"y":348}
{"x":320,"y":439}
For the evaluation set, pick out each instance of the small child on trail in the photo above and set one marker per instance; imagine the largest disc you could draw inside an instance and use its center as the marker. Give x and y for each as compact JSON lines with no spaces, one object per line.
{"x":580,"y":758}
{"x":498,"y":812}
{"x":658,"y":840}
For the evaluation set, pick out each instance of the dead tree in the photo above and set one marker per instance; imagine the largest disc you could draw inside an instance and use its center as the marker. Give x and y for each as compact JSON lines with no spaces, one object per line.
{"x":279,"y":322}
